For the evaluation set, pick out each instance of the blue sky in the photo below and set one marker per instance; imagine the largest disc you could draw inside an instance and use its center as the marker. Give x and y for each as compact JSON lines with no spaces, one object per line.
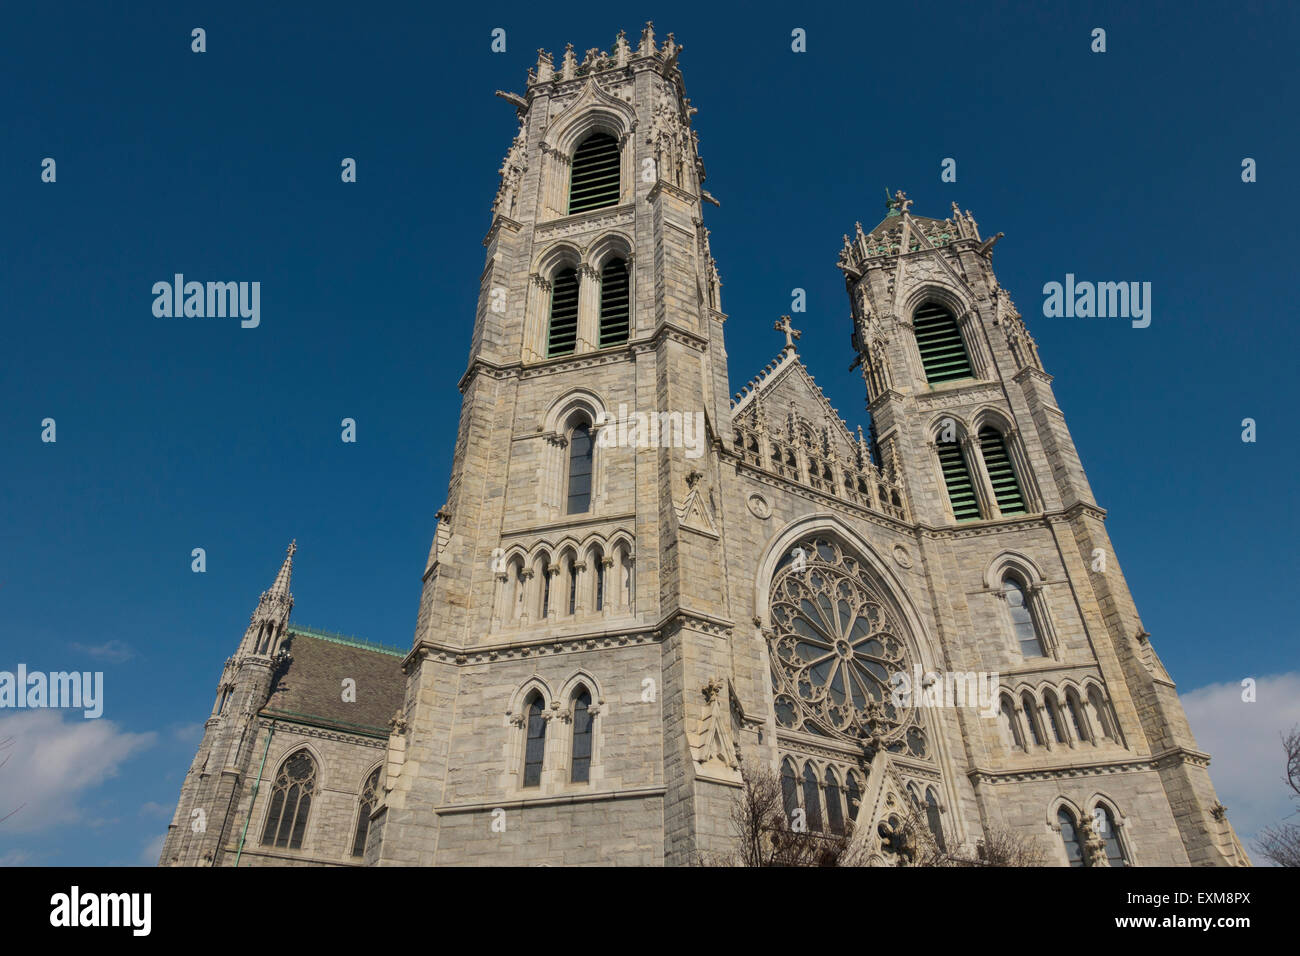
{"x":182,"y":433}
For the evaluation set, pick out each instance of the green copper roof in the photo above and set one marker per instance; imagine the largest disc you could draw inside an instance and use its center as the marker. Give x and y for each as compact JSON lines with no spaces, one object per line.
{"x":345,"y":639}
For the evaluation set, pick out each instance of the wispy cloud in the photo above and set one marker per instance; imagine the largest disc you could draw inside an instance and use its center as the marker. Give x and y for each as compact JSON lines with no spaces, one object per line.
{"x":115,"y":652}
{"x":152,"y":809}
{"x":53,"y":762}
{"x":1244,"y":740}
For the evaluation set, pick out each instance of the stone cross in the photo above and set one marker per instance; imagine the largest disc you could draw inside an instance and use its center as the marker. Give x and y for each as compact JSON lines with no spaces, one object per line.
{"x":791,"y":333}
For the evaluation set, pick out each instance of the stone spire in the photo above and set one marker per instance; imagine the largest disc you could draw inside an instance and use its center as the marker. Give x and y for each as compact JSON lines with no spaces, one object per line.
{"x":279,"y":593}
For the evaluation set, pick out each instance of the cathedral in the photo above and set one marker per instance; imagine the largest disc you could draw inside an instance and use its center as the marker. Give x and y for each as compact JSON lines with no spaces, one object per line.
{"x":641,"y":586}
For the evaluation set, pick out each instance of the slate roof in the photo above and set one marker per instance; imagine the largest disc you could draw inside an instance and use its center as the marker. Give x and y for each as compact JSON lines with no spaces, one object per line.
{"x":311,"y":688}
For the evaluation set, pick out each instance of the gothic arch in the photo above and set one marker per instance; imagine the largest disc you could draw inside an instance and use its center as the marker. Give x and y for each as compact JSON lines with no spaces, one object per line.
{"x":1010,"y":560}
{"x":892,"y":589}
{"x":938,"y":423}
{"x":525,"y":690}
{"x":992,"y":417}
{"x":593,"y":111}
{"x":941,"y":292}
{"x":1055,"y":805}
{"x":606,"y":246}
{"x":581,"y":678}
{"x":561,"y":410}
{"x":561,"y":254}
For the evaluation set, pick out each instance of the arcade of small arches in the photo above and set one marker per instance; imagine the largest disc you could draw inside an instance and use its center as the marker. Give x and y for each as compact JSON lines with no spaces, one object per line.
{"x":983,"y":466}
{"x":572,"y":580}
{"x":1053,"y":716}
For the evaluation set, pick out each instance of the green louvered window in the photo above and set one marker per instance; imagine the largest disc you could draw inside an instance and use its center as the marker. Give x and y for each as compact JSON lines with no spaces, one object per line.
{"x":563,"y":335}
{"x":614,"y":303}
{"x":594,"y":182}
{"x":961,"y":490}
{"x":943,"y":353}
{"x":1006,"y":490}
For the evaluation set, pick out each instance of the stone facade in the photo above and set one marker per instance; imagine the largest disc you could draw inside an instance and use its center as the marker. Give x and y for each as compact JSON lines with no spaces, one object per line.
{"x":592,"y":668}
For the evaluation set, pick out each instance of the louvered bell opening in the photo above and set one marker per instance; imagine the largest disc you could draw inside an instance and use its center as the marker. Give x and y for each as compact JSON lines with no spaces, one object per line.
{"x":943,"y":353}
{"x":961,"y":490}
{"x":614,"y":304}
{"x":594,"y":182}
{"x":998,"y":464}
{"x":564,"y":313}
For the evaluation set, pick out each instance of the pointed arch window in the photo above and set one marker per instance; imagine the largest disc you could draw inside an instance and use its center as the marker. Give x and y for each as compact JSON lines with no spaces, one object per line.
{"x":1070,"y":836}
{"x":535,"y":743}
{"x":582,"y":721}
{"x":1006,"y":489}
{"x":812,"y":801}
{"x":295,"y":784}
{"x":369,"y":799}
{"x":600,"y":583}
{"x":546,"y":587}
{"x":1011,"y":724}
{"x":1054,"y":718}
{"x":562,"y":336}
{"x":594,"y":182}
{"x":1114,"y":850}
{"x":957,"y":479}
{"x":1104,"y":726}
{"x":580,"y":458}
{"x":834,"y":811}
{"x":943,"y":353}
{"x":1031,"y":716}
{"x":615,"y":303}
{"x":853,"y":796}
{"x":1078,"y":721}
{"x":1022,"y":617}
{"x":933,"y":820}
{"x":789,"y":789}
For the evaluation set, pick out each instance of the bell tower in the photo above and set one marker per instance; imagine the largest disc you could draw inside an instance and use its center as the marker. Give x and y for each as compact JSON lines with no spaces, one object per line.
{"x":956,"y":389}
{"x":572,"y":628}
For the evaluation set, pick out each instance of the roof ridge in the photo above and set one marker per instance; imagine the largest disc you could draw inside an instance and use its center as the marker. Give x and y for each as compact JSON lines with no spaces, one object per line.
{"x":345,"y":639}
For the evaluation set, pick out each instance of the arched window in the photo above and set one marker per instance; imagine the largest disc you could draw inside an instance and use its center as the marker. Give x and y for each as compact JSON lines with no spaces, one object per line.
{"x":1099,"y":708}
{"x":225,"y":699}
{"x":834,"y":811}
{"x":1022,"y":618}
{"x":286,"y":821}
{"x":943,"y":353}
{"x":812,"y":801}
{"x":932,"y":818}
{"x":1031,"y":716}
{"x":1070,"y":837}
{"x":853,"y":796}
{"x":579,"y":500}
{"x":1006,"y":489}
{"x":369,"y":798}
{"x":600,"y":582}
{"x":546,"y":587}
{"x":594,"y":182}
{"x":789,"y":789}
{"x":1054,"y":718}
{"x":563,"y":334}
{"x":535,"y":745}
{"x":572,"y":569}
{"x":582,"y":720}
{"x":1078,"y":719}
{"x":1105,"y":822}
{"x":1011,"y":724}
{"x":957,"y":479}
{"x":615,"y":304}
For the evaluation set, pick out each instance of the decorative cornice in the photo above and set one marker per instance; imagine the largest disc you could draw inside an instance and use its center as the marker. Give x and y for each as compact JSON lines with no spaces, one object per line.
{"x":592,"y":221}
{"x":1161,"y":761}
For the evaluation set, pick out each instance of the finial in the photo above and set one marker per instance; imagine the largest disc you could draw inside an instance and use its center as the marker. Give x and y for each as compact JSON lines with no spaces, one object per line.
{"x":569,"y":69}
{"x":791,"y":333}
{"x":647,"y":46}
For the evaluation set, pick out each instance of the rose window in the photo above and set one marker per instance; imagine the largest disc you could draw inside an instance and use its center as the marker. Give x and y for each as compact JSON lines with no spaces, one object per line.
{"x":835,"y":646}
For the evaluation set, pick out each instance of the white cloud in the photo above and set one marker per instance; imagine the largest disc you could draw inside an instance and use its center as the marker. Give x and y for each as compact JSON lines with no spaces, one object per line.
{"x":51,"y":762}
{"x":1244,"y":740}
{"x":113,"y":651}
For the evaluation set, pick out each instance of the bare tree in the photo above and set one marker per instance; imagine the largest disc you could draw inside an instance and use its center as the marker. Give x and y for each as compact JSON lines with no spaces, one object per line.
{"x":766,"y":837}
{"x":1280,"y":844}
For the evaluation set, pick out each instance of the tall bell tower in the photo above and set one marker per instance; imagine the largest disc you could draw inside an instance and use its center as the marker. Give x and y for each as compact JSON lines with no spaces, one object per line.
{"x":570,"y":648}
{"x":1005,"y":515}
